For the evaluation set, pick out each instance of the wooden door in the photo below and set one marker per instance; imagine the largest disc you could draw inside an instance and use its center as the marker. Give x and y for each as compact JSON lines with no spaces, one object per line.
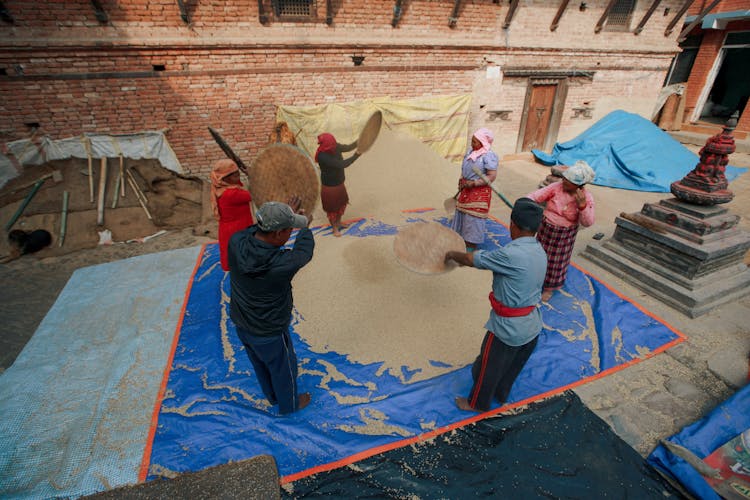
{"x":538,"y":116}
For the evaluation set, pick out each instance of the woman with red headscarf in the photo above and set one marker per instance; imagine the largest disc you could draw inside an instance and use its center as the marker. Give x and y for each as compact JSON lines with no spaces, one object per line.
{"x":333,"y":193}
{"x":231,"y":204}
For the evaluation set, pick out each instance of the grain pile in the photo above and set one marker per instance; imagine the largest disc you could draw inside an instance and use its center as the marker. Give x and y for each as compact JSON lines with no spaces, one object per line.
{"x":355,"y":298}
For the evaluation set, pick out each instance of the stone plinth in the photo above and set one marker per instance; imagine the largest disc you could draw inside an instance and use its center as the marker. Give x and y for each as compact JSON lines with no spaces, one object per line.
{"x":688,"y":256}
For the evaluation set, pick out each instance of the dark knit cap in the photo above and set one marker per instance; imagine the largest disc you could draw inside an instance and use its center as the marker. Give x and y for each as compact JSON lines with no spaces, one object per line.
{"x":526,"y":214}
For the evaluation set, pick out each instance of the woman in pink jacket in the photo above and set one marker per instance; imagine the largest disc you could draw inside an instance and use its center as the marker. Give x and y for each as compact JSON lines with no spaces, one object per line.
{"x":568,"y":206}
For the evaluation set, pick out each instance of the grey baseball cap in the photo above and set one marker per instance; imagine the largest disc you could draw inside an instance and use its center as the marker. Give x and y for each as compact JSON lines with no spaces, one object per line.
{"x":275,"y":216}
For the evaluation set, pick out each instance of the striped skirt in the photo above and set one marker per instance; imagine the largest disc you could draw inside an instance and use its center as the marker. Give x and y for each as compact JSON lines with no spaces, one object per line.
{"x":558,"y":243}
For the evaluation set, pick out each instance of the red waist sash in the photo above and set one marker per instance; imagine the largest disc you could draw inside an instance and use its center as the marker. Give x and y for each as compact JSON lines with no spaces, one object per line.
{"x":509,"y":312}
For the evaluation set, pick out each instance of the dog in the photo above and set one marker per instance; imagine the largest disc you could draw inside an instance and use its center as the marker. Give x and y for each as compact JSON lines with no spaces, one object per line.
{"x":26,"y":242}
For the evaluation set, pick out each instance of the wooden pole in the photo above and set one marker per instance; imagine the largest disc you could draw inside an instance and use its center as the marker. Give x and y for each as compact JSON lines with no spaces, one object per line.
{"x":91,"y":170}
{"x":687,"y":29}
{"x":102,"y":187}
{"x":560,"y":10}
{"x":605,"y":14}
{"x":24,"y":204}
{"x":509,"y":16}
{"x":454,"y":14}
{"x":646,"y":17}
{"x":677,"y":17}
{"x":116,"y":193}
{"x":122,"y":177}
{"x":64,"y":219}
{"x":138,"y":193}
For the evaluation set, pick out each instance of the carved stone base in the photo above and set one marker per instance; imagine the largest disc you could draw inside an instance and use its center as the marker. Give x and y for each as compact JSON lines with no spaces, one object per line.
{"x":689,"y":257}
{"x":700,"y":196}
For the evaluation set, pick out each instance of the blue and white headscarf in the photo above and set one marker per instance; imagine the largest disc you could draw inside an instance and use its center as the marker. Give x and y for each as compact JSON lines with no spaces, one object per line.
{"x":580,"y":173}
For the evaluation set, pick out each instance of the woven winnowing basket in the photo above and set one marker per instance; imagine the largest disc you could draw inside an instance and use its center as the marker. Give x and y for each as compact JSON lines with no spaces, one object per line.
{"x":370,"y":132}
{"x":421,"y":247}
{"x":281,"y":171}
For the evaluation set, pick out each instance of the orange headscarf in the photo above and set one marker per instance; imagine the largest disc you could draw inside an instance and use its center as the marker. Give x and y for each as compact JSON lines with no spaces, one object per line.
{"x":222,"y":168}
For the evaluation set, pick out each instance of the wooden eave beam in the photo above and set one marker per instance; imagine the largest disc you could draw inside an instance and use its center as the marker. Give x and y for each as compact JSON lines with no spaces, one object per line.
{"x":99,"y":12}
{"x":510,"y":14}
{"x":603,"y":19}
{"x":696,"y":21}
{"x":646,"y":17}
{"x":558,"y":16}
{"x":5,"y":14}
{"x":677,"y":17}
{"x":183,"y":12}
{"x":454,"y":15}
{"x":262,"y":16}
{"x":396,"y":13}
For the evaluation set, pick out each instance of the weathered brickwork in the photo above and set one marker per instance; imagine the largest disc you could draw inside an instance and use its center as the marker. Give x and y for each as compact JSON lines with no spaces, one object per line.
{"x":144,"y":68}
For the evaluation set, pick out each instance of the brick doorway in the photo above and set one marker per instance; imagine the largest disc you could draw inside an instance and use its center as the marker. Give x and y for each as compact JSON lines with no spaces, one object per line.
{"x":727,"y":87}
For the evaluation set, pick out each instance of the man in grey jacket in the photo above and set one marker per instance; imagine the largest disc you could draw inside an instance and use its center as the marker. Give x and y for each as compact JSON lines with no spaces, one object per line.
{"x":261,"y":273}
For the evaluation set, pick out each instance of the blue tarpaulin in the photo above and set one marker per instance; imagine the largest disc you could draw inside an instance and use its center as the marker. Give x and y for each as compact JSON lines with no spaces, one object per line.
{"x":727,"y":421}
{"x":629,"y":152}
{"x":214,"y":411}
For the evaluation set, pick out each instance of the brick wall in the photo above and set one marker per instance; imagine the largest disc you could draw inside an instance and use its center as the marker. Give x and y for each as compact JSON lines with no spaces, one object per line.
{"x":723,"y":6}
{"x":145,"y":68}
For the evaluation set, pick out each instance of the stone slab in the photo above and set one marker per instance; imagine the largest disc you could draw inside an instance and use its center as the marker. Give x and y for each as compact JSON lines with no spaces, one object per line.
{"x":733,"y":241}
{"x":671,"y":267}
{"x":699,"y":211}
{"x":692,"y":302}
{"x":731,"y":366}
{"x":697,"y":226}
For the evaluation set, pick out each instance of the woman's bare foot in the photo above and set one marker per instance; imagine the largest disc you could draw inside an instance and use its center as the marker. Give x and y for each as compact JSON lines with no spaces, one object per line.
{"x":463,"y":404}
{"x":304,"y":400}
{"x":546,"y":295}
{"x":336,"y":232}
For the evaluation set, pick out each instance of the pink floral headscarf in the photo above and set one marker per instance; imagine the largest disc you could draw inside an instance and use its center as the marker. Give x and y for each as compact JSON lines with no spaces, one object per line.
{"x":485,"y":136}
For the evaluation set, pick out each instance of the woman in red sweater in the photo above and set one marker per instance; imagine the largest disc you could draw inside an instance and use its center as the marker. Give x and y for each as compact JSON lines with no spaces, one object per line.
{"x":231,"y":204}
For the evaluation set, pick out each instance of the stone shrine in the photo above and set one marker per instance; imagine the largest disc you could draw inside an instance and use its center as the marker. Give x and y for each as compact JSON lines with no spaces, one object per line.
{"x":686,"y":251}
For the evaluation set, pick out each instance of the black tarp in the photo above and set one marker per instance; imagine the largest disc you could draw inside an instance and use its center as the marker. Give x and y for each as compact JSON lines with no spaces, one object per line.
{"x":556,"y":448}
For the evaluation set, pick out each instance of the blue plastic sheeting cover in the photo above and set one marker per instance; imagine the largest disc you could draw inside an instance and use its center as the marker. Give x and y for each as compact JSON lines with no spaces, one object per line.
{"x":215,"y":412}
{"x":629,"y":152}
{"x":76,"y":405}
{"x":726,"y":421}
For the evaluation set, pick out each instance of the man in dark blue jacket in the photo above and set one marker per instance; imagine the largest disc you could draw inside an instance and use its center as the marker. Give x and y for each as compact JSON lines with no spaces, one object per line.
{"x":261,"y":273}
